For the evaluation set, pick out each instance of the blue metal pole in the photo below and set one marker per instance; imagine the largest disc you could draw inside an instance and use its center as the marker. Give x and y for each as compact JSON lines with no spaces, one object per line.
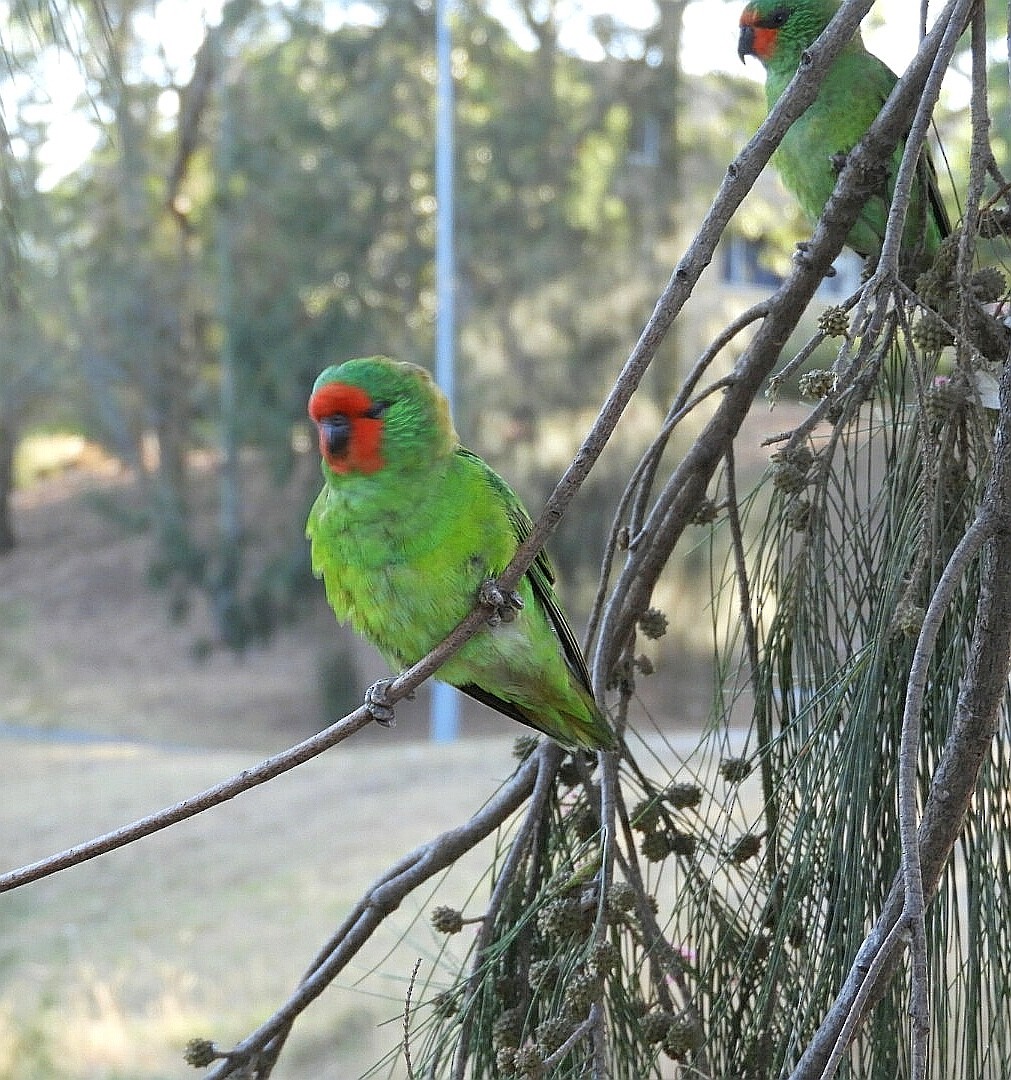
{"x":444,"y":717}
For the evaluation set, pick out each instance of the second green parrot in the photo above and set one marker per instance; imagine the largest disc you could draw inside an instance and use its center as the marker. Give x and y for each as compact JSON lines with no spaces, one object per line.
{"x":407,"y":531}
{"x":813,"y":150}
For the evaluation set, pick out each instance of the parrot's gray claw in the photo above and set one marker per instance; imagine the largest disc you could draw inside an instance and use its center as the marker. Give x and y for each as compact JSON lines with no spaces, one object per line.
{"x":503,"y":606}
{"x":838,"y":161}
{"x":801,"y":256}
{"x":378,"y":704}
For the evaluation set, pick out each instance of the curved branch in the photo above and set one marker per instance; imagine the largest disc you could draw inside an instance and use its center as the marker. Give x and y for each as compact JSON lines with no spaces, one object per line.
{"x":888,"y":262}
{"x":384,"y":897}
{"x":549,"y":756}
{"x":914,"y":908}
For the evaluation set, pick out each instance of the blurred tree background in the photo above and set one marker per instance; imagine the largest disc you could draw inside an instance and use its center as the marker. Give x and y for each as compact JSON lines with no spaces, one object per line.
{"x":265,"y":205}
{"x":259,"y":204}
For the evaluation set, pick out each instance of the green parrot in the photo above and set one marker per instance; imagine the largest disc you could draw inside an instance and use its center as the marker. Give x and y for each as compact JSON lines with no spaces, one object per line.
{"x":410,"y":530}
{"x":813,"y":151}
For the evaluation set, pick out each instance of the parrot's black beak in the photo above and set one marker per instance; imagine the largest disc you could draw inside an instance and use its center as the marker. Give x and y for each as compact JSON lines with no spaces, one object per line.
{"x":746,"y":43}
{"x":335,"y":434}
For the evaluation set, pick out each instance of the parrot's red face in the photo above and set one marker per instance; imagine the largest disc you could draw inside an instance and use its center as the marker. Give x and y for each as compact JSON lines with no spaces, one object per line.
{"x":350,"y":426}
{"x":760,"y":31}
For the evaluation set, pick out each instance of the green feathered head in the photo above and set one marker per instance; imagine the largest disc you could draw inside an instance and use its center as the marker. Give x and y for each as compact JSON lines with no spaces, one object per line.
{"x":778,"y":31}
{"x":375,"y":413}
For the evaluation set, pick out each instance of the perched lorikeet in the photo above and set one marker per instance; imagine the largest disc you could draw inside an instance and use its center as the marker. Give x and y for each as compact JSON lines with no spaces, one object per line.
{"x":813,"y":151}
{"x":409,"y":528}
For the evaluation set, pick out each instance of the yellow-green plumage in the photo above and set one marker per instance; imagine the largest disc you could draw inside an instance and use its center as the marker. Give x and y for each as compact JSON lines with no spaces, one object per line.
{"x":856,"y":87}
{"x":405,"y":539}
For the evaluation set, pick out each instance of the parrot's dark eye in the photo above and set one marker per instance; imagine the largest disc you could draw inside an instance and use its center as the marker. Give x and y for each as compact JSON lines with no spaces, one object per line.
{"x":776,"y":19}
{"x":376,"y":410}
{"x":335,"y":434}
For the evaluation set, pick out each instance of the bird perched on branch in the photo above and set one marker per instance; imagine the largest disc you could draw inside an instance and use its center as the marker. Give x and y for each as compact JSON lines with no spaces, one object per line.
{"x":813,"y":151}
{"x":410,"y":531}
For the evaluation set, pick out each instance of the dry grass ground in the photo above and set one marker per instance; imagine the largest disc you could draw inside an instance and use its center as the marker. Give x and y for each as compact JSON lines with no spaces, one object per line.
{"x":107,"y":969}
{"x":110,"y":967}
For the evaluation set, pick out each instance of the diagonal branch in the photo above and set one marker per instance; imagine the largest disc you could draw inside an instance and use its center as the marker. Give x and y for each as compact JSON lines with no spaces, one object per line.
{"x":740,"y":177}
{"x":549,"y":755}
{"x":190,"y":807}
{"x":650,"y":551}
{"x":384,"y":897}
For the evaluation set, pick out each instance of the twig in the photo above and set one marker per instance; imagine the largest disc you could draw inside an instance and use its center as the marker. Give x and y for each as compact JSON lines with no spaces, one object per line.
{"x":979,"y":155}
{"x":909,"y":752}
{"x":585,"y":1027}
{"x":684,"y":402}
{"x":407,"y":1021}
{"x":813,"y":342}
{"x":400,"y":687}
{"x":888,"y":262}
{"x":546,"y":760}
{"x":640,"y":480}
{"x":871,"y":961}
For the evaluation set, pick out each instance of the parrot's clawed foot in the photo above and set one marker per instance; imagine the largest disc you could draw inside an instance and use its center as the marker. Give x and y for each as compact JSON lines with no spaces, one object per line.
{"x":800,"y":256}
{"x":378,"y":703}
{"x":838,"y":161}
{"x":503,"y":606}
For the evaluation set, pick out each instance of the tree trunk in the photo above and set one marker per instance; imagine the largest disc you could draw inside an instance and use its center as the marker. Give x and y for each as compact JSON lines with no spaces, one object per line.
{"x":8,"y":444}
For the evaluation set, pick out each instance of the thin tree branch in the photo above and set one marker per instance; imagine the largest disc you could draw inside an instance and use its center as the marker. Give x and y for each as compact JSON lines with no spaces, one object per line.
{"x":641,"y":480}
{"x":888,"y":263}
{"x":593,"y":1020}
{"x":400,"y":687}
{"x":979,"y":156}
{"x":549,"y":756}
{"x":871,"y":960}
{"x":190,"y":807}
{"x":645,"y":473}
{"x":909,"y":753}
{"x":383,"y":898}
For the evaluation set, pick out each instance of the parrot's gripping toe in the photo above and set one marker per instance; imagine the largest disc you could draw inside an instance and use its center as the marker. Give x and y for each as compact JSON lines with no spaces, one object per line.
{"x":378,"y":704}
{"x":801,"y":256}
{"x":801,"y":250}
{"x":502,"y":606}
